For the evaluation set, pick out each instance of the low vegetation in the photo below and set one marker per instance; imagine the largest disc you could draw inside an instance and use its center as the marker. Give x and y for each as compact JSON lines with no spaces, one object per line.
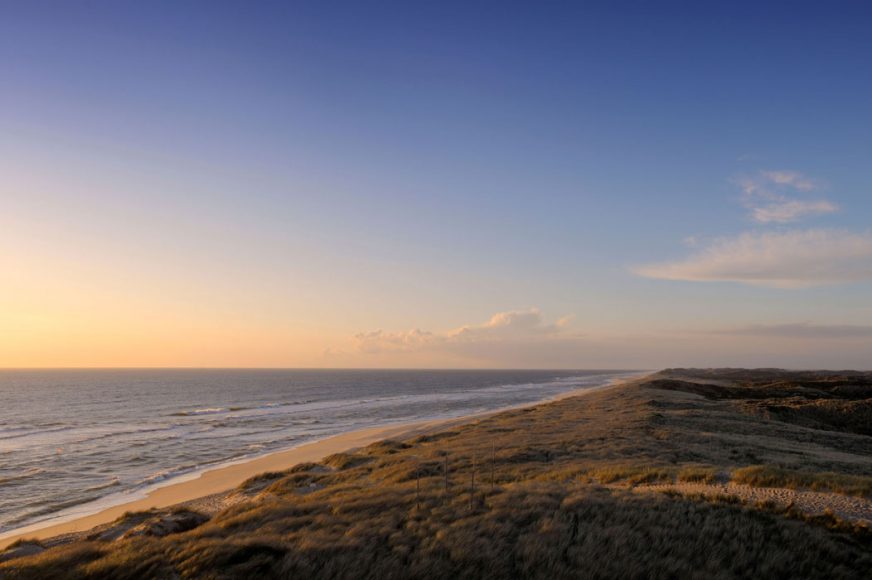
{"x":698,"y":474}
{"x":770,"y":476}
{"x":827,"y":400}
{"x":26,"y":542}
{"x":633,"y":474}
{"x":541,"y":492}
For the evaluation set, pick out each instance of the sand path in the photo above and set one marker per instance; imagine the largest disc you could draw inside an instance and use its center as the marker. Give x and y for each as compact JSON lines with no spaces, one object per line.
{"x":854,"y":509}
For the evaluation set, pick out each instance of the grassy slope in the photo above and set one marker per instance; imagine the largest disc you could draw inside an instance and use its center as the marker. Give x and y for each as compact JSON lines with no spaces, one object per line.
{"x":549,"y":514}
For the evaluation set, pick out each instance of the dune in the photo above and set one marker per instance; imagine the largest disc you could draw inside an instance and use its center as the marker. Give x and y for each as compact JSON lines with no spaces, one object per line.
{"x":722,"y":473}
{"x":202,"y":490}
{"x":222,"y":479}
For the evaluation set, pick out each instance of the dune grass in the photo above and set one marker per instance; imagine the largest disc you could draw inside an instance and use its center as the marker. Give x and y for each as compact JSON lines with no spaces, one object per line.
{"x":772,"y":476}
{"x":529,"y":531}
{"x":633,"y":474}
{"x":26,"y":542}
{"x":523,"y":497}
{"x":640,"y":474}
{"x":698,"y":474}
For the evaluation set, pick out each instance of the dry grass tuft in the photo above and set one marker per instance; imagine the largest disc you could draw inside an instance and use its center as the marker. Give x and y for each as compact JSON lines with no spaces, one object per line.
{"x":60,"y":562}
{"x":771,"y":476}
{"x":260,"y":481}
{"x":633,"y":474}
{"x":345,"y":460}
{"x":26,"y":542}
{"x":698,"y":474}
{"x":386,"y":447}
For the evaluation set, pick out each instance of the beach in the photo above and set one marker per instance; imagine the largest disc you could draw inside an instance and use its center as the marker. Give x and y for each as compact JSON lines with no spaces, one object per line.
{"x":679,"y":468}
{"x":208,"y":491}
{"x":223,"y":479}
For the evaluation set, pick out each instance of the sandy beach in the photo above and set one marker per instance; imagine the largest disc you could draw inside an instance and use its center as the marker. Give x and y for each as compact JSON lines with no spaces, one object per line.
{"x":215,"y":483}
{"x":223,"y":479}
{"x":686,"y":474}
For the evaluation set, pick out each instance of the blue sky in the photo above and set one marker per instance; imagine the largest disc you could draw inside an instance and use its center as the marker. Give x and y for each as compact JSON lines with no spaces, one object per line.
{"x":286,"y":178}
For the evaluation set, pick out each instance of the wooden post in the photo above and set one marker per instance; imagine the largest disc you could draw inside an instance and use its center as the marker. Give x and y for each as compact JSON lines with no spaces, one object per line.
{"x":445,"y":471}
{"x":418,"y":484}
{"x":472,"y":483}
{"x":493,"y":465}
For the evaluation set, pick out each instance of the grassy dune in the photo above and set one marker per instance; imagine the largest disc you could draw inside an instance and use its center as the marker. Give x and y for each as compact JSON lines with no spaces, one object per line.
{"x":541,"y":492}
{"x":770,"y":476}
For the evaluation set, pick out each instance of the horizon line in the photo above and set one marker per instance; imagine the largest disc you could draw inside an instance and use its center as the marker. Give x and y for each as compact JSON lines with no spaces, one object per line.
{"x":96,"y":368}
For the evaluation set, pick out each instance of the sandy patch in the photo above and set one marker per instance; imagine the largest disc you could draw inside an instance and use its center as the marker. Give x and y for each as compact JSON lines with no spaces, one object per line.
{"x":855,"y":509}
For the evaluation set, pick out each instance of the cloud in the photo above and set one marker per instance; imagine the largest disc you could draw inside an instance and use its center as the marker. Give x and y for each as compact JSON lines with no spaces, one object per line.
{"x":790,"y":211}
{"x":791,"y":259}
{"x":801,"y":330}
{"x":791,"y":178}
{"x":766,"y":196}
{"x":523,"y":339}
{"x":378,"y":341}
{"x":512,"y":327}
{"x":512,"y":324}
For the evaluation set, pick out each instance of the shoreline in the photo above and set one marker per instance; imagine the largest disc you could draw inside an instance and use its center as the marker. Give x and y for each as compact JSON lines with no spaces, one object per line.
{"x":223,"y":479}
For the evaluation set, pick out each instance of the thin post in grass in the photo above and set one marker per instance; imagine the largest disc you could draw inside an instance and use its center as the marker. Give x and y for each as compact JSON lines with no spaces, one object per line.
{"x":445,"y":471}
{"x":472,"y":483}
{"x":493,"y":466}
{"x":418,"y":484}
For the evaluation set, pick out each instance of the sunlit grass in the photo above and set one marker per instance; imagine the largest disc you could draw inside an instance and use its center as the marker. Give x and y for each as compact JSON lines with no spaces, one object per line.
{"x":534,"y":492}
{"x":698,"y":474}
{"x":771,"y":476}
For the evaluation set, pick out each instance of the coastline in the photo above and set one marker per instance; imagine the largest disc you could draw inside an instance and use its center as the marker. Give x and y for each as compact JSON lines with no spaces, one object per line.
{"x":221,"y":480}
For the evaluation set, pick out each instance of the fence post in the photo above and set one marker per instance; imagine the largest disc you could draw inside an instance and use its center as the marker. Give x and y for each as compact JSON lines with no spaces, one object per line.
{"x":445,"y":471}
{"x":493,"y":465}
{"x":472,"y":483}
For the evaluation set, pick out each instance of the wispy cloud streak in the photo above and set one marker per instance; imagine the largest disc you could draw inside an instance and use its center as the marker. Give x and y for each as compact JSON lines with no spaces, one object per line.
{"x":768,"y":196}
{"x":789,"y":259}
{"x":802,"y":330}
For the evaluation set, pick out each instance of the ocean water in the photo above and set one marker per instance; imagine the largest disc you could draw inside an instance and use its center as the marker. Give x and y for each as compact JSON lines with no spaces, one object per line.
{"x":73,"y":441}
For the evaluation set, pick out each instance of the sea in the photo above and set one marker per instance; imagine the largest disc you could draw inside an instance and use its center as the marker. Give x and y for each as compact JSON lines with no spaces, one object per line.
{"x":73,"y":442}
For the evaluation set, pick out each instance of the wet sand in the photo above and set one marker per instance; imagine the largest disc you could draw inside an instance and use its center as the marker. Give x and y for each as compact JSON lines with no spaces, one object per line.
{"x":209,"y":490}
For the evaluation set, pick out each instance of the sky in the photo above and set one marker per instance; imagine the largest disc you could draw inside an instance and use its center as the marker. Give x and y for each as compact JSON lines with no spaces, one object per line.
{"x":451,"y":184}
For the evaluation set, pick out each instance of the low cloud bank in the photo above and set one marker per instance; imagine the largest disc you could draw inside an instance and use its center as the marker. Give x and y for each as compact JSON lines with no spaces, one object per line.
{"x":512,"y":326}
{"x":524,"y":339}
{"x":802,"y":330}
